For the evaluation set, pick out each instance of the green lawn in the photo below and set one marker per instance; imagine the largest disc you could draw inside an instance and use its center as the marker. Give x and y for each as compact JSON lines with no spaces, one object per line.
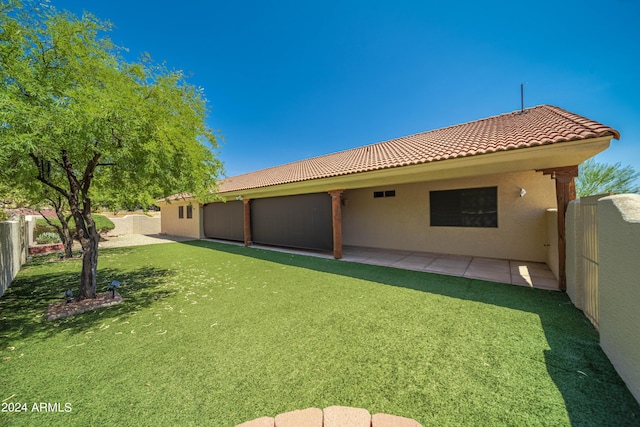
{"x":214,"y":334}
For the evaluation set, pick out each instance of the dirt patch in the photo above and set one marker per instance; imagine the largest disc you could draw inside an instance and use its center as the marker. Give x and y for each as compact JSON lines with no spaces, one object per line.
{"x":62,"y":309}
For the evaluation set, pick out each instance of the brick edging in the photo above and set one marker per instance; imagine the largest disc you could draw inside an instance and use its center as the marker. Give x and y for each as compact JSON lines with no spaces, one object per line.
{"x":332,"y":416}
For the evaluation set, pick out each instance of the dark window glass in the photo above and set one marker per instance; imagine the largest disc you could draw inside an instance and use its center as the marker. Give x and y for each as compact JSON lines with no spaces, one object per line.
{"x":189,"y":211}
{"x":180,"y":211}
{"x":390,"y":193}
{"x":469,"y":207}
{"x":377,"y":194}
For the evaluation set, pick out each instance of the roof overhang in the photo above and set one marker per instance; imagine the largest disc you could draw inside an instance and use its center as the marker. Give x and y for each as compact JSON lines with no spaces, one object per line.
{"x":532,"y":158}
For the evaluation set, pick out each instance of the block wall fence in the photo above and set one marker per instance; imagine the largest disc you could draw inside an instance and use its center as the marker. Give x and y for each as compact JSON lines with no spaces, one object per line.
{"x":14,"y":246}
{"x":603,"y":275}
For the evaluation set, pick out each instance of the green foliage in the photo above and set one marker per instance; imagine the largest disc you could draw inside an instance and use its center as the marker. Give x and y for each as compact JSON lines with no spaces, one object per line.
{"x":80,"y":126}
{"x":65,"y":86}
{"x":48,"y":237}
{"x":3,"y":215}
{"x":601,"y":178}
{"x":103,"y":225}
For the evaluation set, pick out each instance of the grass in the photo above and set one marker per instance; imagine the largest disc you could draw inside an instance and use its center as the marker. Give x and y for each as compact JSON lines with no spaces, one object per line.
{"x":103,"y":224}
{"x":214,"y":334}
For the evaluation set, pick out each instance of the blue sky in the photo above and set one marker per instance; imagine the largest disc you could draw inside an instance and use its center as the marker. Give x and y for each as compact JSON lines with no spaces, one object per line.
{"x":288,"y":80}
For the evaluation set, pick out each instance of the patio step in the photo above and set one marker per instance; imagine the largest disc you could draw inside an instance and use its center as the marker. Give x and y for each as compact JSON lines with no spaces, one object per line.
{"x":333,"y":416}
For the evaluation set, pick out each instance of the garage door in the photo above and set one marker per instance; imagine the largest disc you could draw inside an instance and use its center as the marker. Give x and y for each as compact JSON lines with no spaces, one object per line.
{"x":224,"y":220}
{"x":301,"y":221}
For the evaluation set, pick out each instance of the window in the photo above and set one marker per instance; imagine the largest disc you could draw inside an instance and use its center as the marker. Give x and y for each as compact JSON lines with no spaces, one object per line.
{"x":387,"y":193}
{"x":189,"y":211}
{"x":180,"y":211}
{"x":469,"y":207}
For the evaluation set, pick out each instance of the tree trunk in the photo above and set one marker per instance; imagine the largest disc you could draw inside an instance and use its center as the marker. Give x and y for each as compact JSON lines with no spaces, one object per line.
{"x":89,"y":257}
{"x":65,"y":235}
{"x":62,"y":230}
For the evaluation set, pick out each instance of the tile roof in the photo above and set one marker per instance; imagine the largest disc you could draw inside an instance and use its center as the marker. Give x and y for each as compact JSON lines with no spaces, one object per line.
{"x":541,"y":125}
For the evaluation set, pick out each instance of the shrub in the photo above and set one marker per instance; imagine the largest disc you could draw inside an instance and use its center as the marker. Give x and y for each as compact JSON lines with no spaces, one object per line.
{"x":48,"y":237}
{"x":103,"y":224}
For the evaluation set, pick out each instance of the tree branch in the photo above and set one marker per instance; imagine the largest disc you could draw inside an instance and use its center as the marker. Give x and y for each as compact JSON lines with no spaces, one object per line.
{"x":45,"y":180}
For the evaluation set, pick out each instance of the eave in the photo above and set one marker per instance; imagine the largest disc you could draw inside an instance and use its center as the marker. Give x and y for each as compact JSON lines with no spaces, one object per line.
{"x":531,"y":158}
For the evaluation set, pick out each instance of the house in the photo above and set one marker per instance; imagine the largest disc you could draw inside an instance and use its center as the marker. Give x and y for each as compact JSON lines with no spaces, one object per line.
{"x":482,"y":188}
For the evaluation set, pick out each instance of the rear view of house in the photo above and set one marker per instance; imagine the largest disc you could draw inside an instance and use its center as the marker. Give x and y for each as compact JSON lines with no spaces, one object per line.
{"x":482,"y":188}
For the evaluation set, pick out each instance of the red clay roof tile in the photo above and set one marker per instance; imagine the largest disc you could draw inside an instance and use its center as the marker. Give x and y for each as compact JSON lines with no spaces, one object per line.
{"x":541,"y":125}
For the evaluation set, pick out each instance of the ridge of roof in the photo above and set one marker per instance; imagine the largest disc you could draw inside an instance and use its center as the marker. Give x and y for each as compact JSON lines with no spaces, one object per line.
{"x":535,"y":126}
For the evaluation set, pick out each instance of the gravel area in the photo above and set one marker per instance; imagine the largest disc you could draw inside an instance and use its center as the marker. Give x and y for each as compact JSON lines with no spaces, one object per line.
{"x":139,"y":240}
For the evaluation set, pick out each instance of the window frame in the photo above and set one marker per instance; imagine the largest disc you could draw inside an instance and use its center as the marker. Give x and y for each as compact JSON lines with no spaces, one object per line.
{"x":180,"y":212}
{"x":464,"y":207}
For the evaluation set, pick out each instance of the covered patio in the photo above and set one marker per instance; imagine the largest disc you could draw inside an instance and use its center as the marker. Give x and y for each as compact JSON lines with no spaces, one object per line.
{"x":523,"y":273}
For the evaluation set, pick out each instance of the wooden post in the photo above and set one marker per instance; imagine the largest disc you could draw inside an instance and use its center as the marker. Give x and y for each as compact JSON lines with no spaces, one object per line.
{"x":336,"y":217}
{"x":565,"y":193}
{"x":247,"y":221}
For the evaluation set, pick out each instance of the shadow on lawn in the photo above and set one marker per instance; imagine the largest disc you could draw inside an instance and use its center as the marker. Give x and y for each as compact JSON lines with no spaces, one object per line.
{"x":592,"y":390}
{"x":23,"y":308}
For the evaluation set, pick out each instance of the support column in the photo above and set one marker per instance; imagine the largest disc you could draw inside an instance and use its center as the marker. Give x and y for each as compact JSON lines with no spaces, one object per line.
{"x":247,"y":221}
{"x":336,"y":218}
{"x":565,"y":193}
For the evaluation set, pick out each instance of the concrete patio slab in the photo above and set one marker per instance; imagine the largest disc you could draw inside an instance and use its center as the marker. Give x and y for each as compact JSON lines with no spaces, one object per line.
{"x":521,"y":273}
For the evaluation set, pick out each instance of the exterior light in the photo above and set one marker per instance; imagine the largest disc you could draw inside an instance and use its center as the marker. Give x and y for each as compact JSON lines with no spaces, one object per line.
{"x":112,"y":287}
{"x":523,"y":192}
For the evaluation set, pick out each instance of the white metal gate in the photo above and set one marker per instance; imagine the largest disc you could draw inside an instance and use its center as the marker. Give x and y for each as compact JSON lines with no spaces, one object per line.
{"x":589,"y":206}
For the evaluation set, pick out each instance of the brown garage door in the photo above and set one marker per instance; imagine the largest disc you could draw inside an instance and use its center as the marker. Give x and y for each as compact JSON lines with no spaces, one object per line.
{"x":301,"y":221}
{"x":224,"y":220}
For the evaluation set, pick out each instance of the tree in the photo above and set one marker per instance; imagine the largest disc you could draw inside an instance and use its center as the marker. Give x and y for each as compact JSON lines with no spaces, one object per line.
{"x":33,"y":194}
{"x":601,"y":178}
{"x":63,"y":229}
{"x":79,"y":119}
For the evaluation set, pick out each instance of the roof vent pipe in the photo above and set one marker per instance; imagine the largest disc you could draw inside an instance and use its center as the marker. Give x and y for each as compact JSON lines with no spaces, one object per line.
{"x":521,"y":98}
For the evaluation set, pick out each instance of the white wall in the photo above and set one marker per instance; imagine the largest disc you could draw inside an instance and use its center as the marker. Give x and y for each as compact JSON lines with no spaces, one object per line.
{"x":402,"y":222}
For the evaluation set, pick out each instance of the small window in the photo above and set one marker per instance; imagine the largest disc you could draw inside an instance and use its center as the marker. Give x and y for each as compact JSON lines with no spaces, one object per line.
{"x":180,"y":211}
{"x":189,"y":211}
{"x":388,"y":193}
{"x":469,"y":207}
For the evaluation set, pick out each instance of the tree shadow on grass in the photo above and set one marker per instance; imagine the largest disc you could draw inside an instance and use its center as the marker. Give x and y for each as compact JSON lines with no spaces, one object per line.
{"x":592,"y":390}
{"x":23,"y":307}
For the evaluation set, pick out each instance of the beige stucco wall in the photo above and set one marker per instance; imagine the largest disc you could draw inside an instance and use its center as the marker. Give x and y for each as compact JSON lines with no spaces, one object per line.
{"x":14,"y":243}
{"x":402,"y":222}
{"x":619,"y":285}
{"x":187,"y":227}
{"x":553,"y":261}
{"x":136,"y":224}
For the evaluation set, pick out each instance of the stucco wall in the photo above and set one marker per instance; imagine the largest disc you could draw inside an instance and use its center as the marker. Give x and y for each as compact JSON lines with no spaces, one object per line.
{"x":13,"y":250}
{"x":553,"y":260}
{"x":402,"y":222}
{"x":136,"y":224}
{"x":619,"y":284}
{"x":186,"y":227}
